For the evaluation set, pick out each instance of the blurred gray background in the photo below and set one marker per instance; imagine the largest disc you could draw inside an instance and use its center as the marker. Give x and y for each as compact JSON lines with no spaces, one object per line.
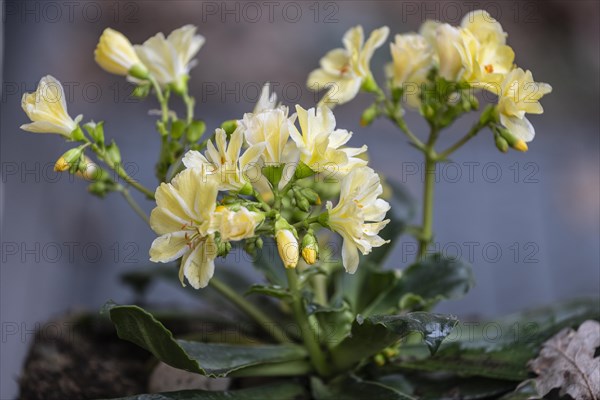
{"x":529,"y":223}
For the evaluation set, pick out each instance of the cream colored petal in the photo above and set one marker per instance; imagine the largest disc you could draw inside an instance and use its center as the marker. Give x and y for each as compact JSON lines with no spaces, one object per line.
{"x":353,"y":39}
{"x":376,"y":39}
{"x":169,"y":247}
{"x":195,"y":159}
{"x":350,"y":257}
{"x":199,"y":266}
{"x":163,"y":221}
{"x":519,"y":127}
{"x":335,"y":62}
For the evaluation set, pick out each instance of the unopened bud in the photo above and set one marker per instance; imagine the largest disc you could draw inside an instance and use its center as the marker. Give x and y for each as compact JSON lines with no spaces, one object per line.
{"x":312,"y":196}
{"x":513,"y":141}
{"x":195,"y":131}
{"x":69,"y":159}
{"x":368,"y":116}
{"x":229,"y":126}
{"x":501,"y":143}
{"x":310,"y":248}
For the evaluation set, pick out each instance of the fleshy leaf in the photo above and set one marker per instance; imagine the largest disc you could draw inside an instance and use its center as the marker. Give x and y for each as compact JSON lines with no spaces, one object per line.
{"x":372,"y":334}
{"x":281,"y":391}
{"x":500,"y":349}
{"x":354,"y":388}
{"x":211,"y":359}
{"x":424,"y":283}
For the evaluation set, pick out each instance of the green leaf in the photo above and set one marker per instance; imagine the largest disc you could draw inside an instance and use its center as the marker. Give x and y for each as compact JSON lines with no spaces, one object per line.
{"x":425,"y":283}
{"x":437,"y":386}
{"x":217,"y":360}
{"x":280,"y":391}
{"x":363,"y":287}
{"x":501,"y":349}
{"x":354,"y":388}
{"x":371,"y":335}
{"x":273,"y":291}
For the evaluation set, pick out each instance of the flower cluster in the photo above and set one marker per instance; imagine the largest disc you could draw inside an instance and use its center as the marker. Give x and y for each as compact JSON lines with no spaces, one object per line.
{"x":246,"y":182}
{"x":473,"y":55}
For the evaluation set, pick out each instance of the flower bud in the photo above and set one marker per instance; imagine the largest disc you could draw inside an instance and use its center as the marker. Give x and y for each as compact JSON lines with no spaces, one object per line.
{"x":113,"y":154}
{"x":195,"y":131}
{"x":368,"y":116}
{"x":229,"y":126}
{"x":96,"y":131}
{"x":116,"y":55}
{"x":287,"y":244}
{"x":312,"y":196}
{"x":501,"y":143}
{"x":513,"y":141}
{"x":68,"y":160}
{"x":310,"y":248}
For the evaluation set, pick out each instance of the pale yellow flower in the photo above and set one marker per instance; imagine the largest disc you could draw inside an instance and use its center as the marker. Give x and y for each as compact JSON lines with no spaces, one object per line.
{"x":184,"y":219}
{"x":236,"y":225}
{"x":47,"y":109}
{"x":233,"y":172}
{"x":446,"y":42}
{"x":170,"y":59}
{"x":321,"y":145}
{"x":287,"y":246}
{"x":412,"y":58}
{"x":266,"y":101}
{"x":344,"y":70}
{"x":270,"y":128}
{"x":520,"y":94}
{"x":358,"y":216}
{"x":485,"y":56}
{"x":116,"y":55}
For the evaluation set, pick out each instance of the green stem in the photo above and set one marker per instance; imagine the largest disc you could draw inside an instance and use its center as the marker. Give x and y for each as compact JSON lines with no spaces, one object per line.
{"x":472,"y":132}
{"x":164,"y":107}
{"x":426,"y":231}
{"x":133,"y":204}
{"x":259,"y":197}
{"x":132,"y":182}
{"x":262,"y":319}
{"x":189,"y":106}
{"x":305,"y":223}
{"x":308,"y":336}
{"x":429,"y":185}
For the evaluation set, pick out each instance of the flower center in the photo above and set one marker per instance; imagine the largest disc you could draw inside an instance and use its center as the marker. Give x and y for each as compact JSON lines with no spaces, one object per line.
{"x":489,"y":68}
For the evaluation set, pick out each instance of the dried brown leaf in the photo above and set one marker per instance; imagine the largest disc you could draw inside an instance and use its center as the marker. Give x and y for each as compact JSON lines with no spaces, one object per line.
{"x":566,"y":361}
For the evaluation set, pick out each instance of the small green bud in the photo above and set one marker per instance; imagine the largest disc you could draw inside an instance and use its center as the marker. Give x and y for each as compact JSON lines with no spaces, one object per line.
{"x":99,"y":188}
{"x":96,"y":132}
{"x":312,"y":196}
{"x":195,"y":131}
{"x":369,"y":115}
{"x":259,"y":242}
{"x":113,"y":154}
{"x":513,"y":141}
{"x":379,"y":360}
{"x":142,"y":90}
{"x":69,"y":160}
{"x":501,"y":143}
{"x":310,"y":248}
{"x":302,"y":203}
{"x":177,"y":129}
{"x":229,"y":126}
